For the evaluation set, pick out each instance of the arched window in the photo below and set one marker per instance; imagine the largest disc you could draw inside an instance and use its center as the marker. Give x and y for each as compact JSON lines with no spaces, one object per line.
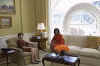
{"x":82,"y":23}
{"x":82,"y":19}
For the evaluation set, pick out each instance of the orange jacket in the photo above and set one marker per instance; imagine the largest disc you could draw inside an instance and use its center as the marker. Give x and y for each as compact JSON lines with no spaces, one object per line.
{"x":57,"y":40}
{"x":58,"y":43}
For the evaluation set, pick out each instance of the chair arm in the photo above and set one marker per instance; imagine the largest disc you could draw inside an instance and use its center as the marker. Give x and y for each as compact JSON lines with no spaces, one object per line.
{"x":19,"y":57}
{"x":19,"y":51}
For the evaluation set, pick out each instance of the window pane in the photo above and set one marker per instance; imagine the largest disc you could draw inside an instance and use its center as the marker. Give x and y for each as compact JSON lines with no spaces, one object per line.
{"x":82,"y":17}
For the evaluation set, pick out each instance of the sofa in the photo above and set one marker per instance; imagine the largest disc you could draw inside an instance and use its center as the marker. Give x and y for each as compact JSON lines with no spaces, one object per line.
{"x":86,"y":47}
{"x":9,"y":41}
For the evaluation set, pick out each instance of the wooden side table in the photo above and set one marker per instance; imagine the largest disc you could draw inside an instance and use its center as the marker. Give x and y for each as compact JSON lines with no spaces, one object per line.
{"x":41,"y":42}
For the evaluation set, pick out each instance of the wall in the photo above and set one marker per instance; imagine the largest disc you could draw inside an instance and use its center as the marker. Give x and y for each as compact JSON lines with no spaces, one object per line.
{"x":41,"y":11}
{"x":24,"y":15}
{"x":28,"y":18}
{"x":15,"y":21}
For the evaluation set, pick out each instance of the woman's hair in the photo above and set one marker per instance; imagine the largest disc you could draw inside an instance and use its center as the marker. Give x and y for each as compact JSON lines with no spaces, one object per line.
{"x":19,"y":34}
{"x":56,"y":29}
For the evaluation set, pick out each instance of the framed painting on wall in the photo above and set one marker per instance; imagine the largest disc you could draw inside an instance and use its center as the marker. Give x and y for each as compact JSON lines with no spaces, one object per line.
{"x":5,"y":22}
{"x":7,"y":6}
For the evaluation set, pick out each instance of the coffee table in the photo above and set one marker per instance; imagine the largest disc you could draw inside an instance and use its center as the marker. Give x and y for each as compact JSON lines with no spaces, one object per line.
{"x":68,"y":60}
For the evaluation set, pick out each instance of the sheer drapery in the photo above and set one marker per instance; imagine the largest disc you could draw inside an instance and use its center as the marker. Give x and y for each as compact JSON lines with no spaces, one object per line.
{"x":57,"y":13}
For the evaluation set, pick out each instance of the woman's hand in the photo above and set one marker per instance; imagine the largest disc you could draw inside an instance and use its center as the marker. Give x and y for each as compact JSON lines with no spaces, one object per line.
{"x":28,"y":44}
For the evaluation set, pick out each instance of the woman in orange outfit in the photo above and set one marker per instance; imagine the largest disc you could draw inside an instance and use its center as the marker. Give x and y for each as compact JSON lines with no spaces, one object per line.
{"x":57,"y":43}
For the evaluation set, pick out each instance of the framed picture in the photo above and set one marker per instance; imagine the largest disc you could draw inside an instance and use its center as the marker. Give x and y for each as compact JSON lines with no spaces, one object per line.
{"x":7,"y":6}
{"x":5,"y":22}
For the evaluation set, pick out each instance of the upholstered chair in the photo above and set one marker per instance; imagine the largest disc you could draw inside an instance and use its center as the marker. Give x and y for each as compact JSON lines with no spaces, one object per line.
{"x":27,"y":55}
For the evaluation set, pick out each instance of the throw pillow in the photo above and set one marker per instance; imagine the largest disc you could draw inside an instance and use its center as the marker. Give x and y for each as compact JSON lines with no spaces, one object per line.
{"x":91,"y":41}
{"x":3,"y":43}
{"x":12,"y":42}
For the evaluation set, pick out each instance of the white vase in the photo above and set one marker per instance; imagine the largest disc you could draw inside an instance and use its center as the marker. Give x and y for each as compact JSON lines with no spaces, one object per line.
{"x":45,"y":35}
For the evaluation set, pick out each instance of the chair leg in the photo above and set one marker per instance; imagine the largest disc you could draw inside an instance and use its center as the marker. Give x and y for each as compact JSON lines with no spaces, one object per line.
{"x":79,"y":63}
{"x":43,"y":60}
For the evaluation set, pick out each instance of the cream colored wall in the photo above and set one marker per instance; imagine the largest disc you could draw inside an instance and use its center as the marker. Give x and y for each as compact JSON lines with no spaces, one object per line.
{"x":29,"y":14}
{"x":41,"y":11}
{"x":24,"y":14}
{"x":28,"y":18}
{"x":15,"y":21}
{"x":47,"y":15}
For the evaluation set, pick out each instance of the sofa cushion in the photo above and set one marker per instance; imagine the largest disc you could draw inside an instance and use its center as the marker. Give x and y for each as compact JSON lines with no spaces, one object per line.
{"x":12,"y":42}
{"x":90,"y":52}
{"x":74,"y":50}
{"x":80,"y":41}
{"x":27,"y":53}
{"x":3,"y":44}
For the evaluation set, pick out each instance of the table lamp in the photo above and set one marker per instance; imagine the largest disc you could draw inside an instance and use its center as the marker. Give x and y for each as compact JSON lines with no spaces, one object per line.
{"x":40,"y":28}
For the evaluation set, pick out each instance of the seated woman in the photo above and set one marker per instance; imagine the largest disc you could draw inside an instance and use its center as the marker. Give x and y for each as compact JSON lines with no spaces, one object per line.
{"x":57,"y":43}
{"x":27,"y":47}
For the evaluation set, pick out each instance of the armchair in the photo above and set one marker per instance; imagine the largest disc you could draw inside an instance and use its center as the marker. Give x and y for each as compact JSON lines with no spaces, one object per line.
{"x":11,"y":43}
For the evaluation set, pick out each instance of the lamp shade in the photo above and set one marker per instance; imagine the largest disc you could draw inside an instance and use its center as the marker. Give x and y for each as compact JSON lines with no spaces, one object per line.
{"x":40,"y":26}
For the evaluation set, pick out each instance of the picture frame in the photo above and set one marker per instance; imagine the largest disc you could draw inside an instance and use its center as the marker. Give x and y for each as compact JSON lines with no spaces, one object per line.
{"x":7,"y":6}
{"x":5,"y":22}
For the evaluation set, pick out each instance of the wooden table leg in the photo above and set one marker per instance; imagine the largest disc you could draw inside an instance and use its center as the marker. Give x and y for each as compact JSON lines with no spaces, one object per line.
{"x":43,"y":62}
{"x":79,"y":62}
{"x":7,"y":58}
